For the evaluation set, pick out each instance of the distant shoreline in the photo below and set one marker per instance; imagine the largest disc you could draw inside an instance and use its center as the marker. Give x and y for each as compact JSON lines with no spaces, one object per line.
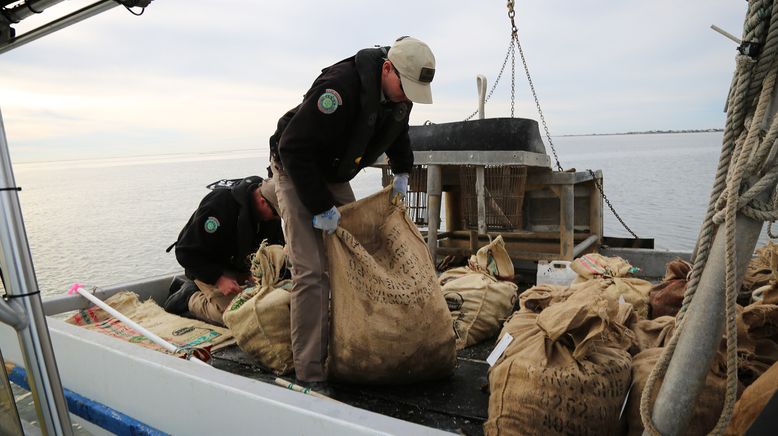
{"x":648,"y":132}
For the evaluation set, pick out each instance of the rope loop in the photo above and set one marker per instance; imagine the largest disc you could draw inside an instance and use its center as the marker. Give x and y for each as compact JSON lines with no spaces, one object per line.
{"x":746,"y":172}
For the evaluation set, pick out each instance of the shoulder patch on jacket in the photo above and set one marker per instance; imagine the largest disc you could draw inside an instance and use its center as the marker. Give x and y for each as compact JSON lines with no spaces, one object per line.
{"x":329,"y":101}
{"x":211,"y":224}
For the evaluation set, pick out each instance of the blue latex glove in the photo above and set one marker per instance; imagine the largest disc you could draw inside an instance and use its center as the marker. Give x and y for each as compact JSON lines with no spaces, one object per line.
{"x":400,"y":185}
{"x":327,"y":220}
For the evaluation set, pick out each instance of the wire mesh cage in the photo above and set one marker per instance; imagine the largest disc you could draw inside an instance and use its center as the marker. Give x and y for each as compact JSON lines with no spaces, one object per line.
{"x":416,"y":199}
{"x":504,"y":195}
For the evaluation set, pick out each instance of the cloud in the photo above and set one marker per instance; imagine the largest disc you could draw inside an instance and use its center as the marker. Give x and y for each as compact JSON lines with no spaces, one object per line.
{"x":206,"y":76}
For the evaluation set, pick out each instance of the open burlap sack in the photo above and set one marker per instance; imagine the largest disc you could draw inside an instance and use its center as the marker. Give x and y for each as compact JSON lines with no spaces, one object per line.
{"x":389,"y":322}
{"x":259,"y":316}
{"x":477,"y":299}
{"x":753,"y":401}
{"x":183,"y":333}
{"x":666,"y":298}
{"x":707,"y":407}
{"x":566,"y":370}
{"x":613,"y":274}
{"x":494,"y":259}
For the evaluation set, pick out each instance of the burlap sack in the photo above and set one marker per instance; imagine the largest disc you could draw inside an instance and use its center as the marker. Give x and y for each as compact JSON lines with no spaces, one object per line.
{"x":665,"y":298}
{"x":477,"y":299}
{"x":613,"y":276}
{"x":494,"y":259}
{"x":653,"y":333}
{"x":753,"y":401}
{"x":259,"y":316}
{"x":757,"y":341}
{"x":566,"y":371}
{"x":707,"y":407}
{"x":389,"y":322}
{"x":183,"y":333}
{"x":539,"y":297}
{"x":763,"y":268}
{"x":593,"y":265}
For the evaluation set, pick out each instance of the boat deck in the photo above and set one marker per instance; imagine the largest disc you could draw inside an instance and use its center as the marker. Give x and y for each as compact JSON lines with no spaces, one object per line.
{"x":457,"y":404}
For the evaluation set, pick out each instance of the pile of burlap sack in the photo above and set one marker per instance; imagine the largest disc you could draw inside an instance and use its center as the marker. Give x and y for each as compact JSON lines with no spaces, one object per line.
{"x":480,"y":295}
{"x":581,"y":354}
{"x":389,"y":322}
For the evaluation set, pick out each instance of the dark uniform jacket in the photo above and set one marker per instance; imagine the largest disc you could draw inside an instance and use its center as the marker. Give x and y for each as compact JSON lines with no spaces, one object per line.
{"x":223,"y":232}
{"x":341,"y":127}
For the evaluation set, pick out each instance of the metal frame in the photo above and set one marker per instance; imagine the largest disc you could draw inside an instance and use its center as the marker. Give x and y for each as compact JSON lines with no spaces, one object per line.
{"x":22,"y":286}
{"x":24,"y":309}
{"x":48,"y":28}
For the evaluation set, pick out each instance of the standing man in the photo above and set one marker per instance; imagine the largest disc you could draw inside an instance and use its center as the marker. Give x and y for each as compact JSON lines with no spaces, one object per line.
{"x":215,"y":245}
{"x":355,"y":110}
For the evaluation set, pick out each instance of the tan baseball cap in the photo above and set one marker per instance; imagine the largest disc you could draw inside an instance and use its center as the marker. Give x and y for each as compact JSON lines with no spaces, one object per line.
{"x":415,"y":62}
{"x":268,"y":190}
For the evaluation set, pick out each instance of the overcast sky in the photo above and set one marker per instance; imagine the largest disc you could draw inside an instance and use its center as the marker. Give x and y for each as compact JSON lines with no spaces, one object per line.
{"x":190,"y":75}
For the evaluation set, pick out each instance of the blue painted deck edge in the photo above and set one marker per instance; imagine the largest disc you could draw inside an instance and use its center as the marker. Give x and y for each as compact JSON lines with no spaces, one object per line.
{"x":94,"y":412}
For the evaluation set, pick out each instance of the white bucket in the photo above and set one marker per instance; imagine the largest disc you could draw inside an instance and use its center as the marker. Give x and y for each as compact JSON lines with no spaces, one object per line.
{"x":556,"y":272}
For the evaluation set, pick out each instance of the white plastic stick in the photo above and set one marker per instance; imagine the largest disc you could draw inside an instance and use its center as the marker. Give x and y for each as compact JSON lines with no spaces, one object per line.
{"x":480,"y":82}
{"x":725,"y":33}
{"x":135,"y":326}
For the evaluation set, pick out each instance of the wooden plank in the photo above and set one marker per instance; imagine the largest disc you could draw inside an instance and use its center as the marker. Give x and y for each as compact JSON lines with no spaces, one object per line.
{"x":514,"y":255}
{"x":551,"y":246}
{"x":595,"y":210}
{"x":433,"y":209}
{"x":480,"y":195}
{"x":566,"y":221}
{"x":523,"y":235}
{"x":453,"y":201}
{"x":557,"y":178}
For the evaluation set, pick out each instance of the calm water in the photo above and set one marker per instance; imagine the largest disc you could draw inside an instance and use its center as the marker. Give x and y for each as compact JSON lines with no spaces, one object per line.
{"x":103,"y":222}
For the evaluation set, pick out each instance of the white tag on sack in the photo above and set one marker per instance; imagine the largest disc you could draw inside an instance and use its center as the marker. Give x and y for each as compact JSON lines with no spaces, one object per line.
{"x":626,"y":399}
{"x":499,"y":349}
{"x":622,"y":300}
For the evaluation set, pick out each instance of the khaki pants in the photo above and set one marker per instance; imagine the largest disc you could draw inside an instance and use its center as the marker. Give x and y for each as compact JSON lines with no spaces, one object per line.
{"x":311,"y":286}
{"x":209,"y":304}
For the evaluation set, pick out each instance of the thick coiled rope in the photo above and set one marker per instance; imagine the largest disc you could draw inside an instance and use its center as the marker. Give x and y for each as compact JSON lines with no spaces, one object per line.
{"x":747,"y":169}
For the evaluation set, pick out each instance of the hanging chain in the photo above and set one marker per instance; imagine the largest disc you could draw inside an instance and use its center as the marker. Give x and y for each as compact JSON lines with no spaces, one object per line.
{"x":513,"y":77}
{"x":515,"y":38}
{"x":610,"y":206}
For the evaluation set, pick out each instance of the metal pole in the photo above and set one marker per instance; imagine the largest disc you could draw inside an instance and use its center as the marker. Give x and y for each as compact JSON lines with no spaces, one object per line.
{"x":59,"y":24}
{"x":701,"y":337}
{"x":22,"y":286}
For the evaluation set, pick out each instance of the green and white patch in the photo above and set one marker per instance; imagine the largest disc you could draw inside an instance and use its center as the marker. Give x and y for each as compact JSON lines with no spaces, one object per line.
{"x":329,"y":101}
{"x":211,"y":224}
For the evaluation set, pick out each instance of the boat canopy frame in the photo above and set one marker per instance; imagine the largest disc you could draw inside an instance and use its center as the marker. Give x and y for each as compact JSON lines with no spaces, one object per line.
{"x":22,"y":308}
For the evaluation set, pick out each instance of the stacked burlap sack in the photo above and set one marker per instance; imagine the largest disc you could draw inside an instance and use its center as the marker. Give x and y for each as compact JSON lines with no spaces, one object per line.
{"x":567,"y":369}
{"x":652,"y":336}
{"x":757,"y":351}
{"x":510,"y":412}
{"x":184,"y":333}
{"x":613,"y":275}
{"x":259,"y":316}
{"x":479,"y":295}
{"x":389,"y":320}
